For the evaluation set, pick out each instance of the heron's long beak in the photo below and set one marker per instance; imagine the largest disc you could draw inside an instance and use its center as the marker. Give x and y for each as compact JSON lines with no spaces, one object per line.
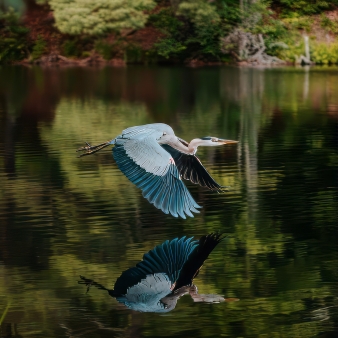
{"x":223,"y":141}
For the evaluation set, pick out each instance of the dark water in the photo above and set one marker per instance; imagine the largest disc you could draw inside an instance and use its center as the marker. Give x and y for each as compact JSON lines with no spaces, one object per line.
{"x":62,"y":216}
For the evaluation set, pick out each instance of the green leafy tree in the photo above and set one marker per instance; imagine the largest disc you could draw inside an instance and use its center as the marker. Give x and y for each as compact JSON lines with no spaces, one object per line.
{"x":98,"y":17}
{"x":172,"y":44}
{"x":200,"y":12}
{"x":206,"y":21}
{"x":13,"y":43}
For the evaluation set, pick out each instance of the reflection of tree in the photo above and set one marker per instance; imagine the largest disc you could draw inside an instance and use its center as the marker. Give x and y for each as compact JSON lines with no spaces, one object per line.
{"x":247,"y":94}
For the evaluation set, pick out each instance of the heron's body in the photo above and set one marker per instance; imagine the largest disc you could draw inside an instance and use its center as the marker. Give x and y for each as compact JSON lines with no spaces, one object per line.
{"x":155,"y":160}
{"x":164,"y":275}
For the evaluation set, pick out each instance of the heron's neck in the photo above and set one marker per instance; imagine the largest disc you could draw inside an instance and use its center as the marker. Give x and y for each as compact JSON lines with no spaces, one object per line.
{"x":190,"y":149}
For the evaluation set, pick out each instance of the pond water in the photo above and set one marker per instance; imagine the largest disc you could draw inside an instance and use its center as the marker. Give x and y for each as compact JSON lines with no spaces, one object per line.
{"x":63,"y":216}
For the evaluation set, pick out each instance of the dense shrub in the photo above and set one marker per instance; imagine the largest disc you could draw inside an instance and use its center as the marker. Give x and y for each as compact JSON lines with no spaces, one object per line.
{"x":70,"y":48}
{"x":38,"y":48}
{"x":13,"y":37}
{"x":100,"y":16}
{"x":174,"y":33}
{"x":294,"y":48}
{"x":210,"y":21}
{"x":105,"y":49}
{"x":324,"y":53}
{"x":194,"y":28}
{"x":169,"y":47}
{"x":320,"y":52}
{"x":300,"y":7}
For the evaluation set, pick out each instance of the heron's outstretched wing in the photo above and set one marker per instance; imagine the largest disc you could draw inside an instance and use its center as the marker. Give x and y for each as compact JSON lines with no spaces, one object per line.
{"x":167,"y":258}
{"x":151,"y":168}
{"x":195,"y":261}
{"x":191,"y":168}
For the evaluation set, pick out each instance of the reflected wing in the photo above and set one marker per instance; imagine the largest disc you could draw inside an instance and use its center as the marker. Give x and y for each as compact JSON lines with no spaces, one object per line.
{"x":146,"y":295}
{"x":146,"y":164}
{"x":195,"y":261}
{"x":191,"y":168}
{"x":167,"y":258}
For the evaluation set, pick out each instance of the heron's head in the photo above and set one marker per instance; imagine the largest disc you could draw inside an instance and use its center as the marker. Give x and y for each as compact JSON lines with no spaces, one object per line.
{"x":213,"y":141}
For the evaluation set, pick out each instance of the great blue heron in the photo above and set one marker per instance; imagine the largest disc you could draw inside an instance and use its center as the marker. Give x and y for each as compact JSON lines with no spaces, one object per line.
{"x":155,"y":159}
{"x":164,"y":275}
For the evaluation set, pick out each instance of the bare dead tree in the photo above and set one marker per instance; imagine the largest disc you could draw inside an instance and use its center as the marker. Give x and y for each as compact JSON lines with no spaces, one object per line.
{"x":245,"y":46}
{"x":301,"y":59}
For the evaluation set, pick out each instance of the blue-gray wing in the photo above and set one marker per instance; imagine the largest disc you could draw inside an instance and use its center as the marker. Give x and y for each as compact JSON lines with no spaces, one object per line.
{"x":152,"y":169}
{"x":191,"y":168}
{"x":167,"y":258}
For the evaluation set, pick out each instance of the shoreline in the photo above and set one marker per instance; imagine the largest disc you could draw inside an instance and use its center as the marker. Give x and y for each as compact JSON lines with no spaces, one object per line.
{"x":57,"y":60}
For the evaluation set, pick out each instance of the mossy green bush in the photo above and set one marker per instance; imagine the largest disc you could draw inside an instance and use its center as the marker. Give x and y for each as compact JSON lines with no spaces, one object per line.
{"x":299,"y":22}
{"x":324,"y":53}
{"x":98,"y":17}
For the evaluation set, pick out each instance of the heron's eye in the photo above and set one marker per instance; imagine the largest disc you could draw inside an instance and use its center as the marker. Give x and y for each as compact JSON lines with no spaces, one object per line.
{"x":164,"y":133}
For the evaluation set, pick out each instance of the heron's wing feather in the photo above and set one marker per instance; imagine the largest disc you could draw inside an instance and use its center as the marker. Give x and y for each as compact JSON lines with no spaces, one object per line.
{"x":168,"y":258}
{"x":141,"y":145}
{"x":146,"y":164}
{"x":195,"y":261}
{"x":146,"y":295}
{"x":191,"y":168}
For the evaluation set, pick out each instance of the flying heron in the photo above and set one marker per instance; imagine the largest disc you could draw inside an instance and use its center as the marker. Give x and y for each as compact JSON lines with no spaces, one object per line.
{"x":155,"y":159}
{"x":164,"y":275}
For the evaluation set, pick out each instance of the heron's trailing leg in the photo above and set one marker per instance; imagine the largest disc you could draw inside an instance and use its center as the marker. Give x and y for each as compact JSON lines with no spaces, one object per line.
{"x":89,"y":149}
{"x":90,"y":282}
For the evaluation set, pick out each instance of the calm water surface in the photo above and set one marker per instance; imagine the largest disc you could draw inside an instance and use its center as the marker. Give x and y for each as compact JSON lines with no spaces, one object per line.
{"x":61,"y":216}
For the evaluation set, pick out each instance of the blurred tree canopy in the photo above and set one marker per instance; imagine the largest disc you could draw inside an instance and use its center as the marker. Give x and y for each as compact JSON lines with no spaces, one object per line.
{"x":174,"y":30}
{"x":99,"y":17}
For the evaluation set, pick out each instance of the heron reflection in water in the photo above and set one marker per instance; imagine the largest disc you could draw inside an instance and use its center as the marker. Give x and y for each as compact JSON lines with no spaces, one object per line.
{"x":165,"y":274}
{"x":155,"y":159}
